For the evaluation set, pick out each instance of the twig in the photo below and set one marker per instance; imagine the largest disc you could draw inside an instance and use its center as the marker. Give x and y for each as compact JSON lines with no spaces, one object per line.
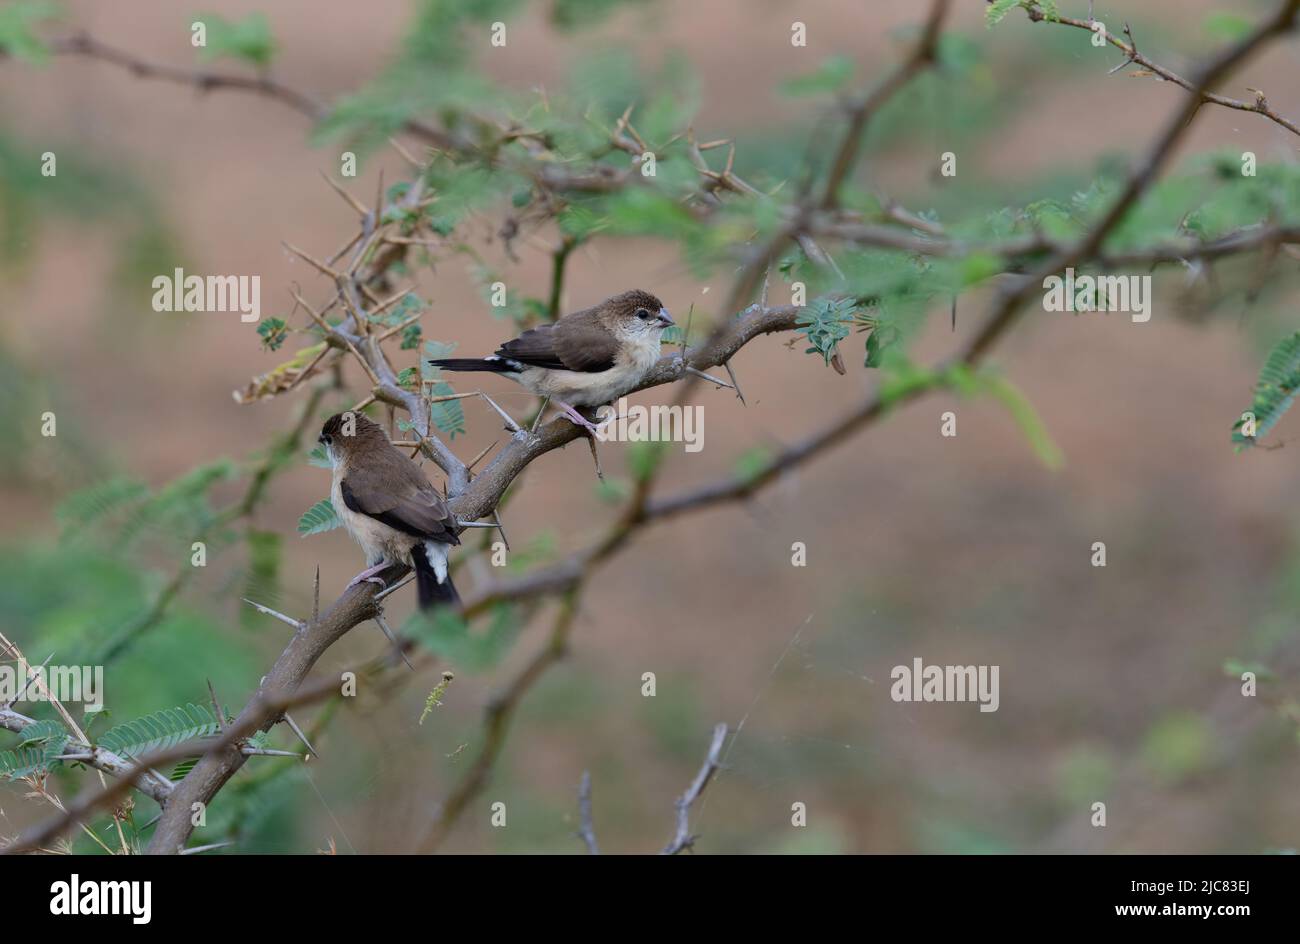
{"x":289,"y":620}
{"x":1200,"y":89}
{"x":586,"y":831}
{"x":862,"y":110}
{"x":682,"y":838}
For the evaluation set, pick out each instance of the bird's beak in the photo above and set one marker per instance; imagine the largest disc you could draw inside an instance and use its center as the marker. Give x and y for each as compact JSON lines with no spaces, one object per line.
{"x":665,"y":319}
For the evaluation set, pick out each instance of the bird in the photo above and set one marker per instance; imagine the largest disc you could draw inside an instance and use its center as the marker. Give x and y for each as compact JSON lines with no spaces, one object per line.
{"x":389,"y":507}
{"x":587,"y":358}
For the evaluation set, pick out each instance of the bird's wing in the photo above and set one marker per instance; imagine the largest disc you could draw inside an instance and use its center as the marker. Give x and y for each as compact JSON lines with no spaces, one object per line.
{"x":576,"y":342}
{"x":410,"y":506}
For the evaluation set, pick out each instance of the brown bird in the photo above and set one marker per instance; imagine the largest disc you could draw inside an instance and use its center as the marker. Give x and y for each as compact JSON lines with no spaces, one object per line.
{"x":587,"y":358}
{"x":389,"y":507}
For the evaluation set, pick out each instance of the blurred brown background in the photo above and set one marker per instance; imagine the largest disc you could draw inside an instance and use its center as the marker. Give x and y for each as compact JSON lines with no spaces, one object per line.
{"x":960,"y":550}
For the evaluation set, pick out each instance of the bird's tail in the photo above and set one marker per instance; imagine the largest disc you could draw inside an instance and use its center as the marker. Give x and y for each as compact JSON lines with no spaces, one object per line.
{"x":433,"y":584}
{"x":493,"y":364}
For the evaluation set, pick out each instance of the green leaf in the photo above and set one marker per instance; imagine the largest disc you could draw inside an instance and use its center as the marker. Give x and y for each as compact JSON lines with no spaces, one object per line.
{"x":995,"y":11}
{"x":879,"y":341}
{"x":409,"y":305}
{"x":319,"y":458}
{"x":644,"y":457}
{"x":1026,"y":417}
{"x":319,"y":518}
{"x":449,"y":415}
{"x":1177,"y":746}
{"x":541,"y":549}
{"x":575,"y":14}
{"x":978,"y":267}
{"x":162,"y":729}
{"x":825,"y":323}
{"x":1235,"y":668}
{"x":273,"y":332}
{"x":179,"y":507}
{"x":38,"y":732}
{"x":752,"y":464}
{"x":47,"y":739}
{"x":248,"y":39}
{"x":411,"y":335}
{"x":262,"y":581}
{"x":612,"y":490}
{"x":831,"y":76}
{"x":1279,"y":381}
{"x":904,"y":378}
{"x":1228,"y":27}
{"x":17,"y":37}
{"x":22,"y":763}
{"x":445,"y":633}
{"x":578,"y":222}
{"x":91,"y":504}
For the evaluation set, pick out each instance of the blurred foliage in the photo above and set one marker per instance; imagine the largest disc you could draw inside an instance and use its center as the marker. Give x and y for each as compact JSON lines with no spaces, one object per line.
{"x":1279,"y":382}
{"x":1177,"y":746}
{"x":82,"y":192}
{"x":248,"y":39}
{"x":18,"y":22}
{"x":446,"y":634}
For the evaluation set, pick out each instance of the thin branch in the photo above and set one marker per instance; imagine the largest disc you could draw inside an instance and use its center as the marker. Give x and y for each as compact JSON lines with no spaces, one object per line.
{"x":296,"y":624}
{"x":682,"y":838}
{"x":1259,"y":106}
{"x":82,"y":44}
{"x":586,"y":830}
{"x":265,"y":702}
{"x":864,"y":109}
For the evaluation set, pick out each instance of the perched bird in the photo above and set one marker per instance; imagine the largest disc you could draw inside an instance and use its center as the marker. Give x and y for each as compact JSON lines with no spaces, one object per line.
{"x":587,"y":358}
{"x":389,"y":507}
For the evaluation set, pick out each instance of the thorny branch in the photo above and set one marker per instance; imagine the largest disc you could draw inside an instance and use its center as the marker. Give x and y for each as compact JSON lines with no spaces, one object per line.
{"x":1132,"y":55}
{"x":477,"y":496}
{"x":683,"y":840}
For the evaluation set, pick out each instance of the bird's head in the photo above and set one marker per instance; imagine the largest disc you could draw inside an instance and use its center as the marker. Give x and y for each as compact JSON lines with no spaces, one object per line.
{"x":635,"y":316}
{"x":343,"y":433}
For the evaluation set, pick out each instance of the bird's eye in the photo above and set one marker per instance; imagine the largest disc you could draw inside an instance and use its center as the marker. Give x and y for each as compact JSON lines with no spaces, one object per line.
{"x":643,"y":314}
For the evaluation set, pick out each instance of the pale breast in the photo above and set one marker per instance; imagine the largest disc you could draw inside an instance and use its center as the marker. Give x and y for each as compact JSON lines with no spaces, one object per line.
{"x":378,"y":541}
{"x":593,"y":389}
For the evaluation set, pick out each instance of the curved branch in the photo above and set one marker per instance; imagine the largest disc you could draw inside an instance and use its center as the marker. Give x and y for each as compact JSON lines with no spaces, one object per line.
{"x":1259,"y":106}
{"x":83,"y":44}
{"x":264,"y":709}
{"x":862,"y":110}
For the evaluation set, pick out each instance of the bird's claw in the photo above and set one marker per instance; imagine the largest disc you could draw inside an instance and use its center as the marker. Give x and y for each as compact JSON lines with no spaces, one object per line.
{"x":579,"y":420}
{"x":368,"y":576}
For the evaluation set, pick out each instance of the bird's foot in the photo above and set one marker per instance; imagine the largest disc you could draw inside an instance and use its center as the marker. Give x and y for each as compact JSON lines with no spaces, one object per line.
{"x":368,"y":576}
{"x":576,"y":418}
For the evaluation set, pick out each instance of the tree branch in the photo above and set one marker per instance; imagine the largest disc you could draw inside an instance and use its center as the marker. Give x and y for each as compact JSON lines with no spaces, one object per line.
{"x":682,"y":838}
{"x":85,"y":45}
{"x":1259,"y":106}
{"x":864,"y":109}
